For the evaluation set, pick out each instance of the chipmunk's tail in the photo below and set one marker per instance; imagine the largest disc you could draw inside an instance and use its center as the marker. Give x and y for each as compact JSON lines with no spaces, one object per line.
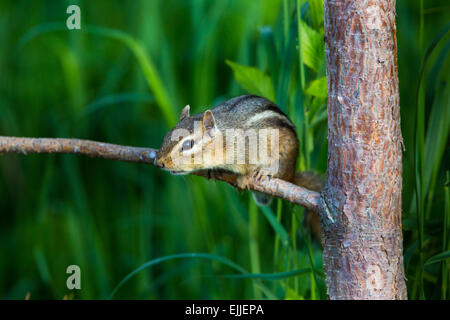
{"x":310,"y":180}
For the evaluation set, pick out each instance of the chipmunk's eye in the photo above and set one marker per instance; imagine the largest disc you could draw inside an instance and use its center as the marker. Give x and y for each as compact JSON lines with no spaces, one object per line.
{"x":187,"y":145}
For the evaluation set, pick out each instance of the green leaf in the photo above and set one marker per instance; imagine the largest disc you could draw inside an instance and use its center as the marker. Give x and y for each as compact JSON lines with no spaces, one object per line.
{"x":268,"y":276}
{"x":311,"y":46}
{"x":148,"y":67}
{"x":438,"y":129}
{"x":153,"y":262}
{"x":268,"y":40}
{"x":279,"y":229}
{"x":318,"y":88}
{"x":287,"y":63}
{"x":438,"y":258}
{"x":124,"y":97}
{"x":253,"y":80}
{"x":316,"y":7}
{"x":292,"y":295}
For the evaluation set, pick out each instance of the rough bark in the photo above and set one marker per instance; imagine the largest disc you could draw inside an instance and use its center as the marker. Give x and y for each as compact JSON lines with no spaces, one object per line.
{"x":362,"y":234}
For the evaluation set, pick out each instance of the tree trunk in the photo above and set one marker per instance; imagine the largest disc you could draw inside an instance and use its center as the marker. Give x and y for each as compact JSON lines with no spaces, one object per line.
{"x":361,"y":219}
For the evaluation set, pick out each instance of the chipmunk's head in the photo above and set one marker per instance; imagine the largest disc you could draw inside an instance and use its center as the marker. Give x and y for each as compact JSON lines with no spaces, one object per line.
{"x":187,"y":147}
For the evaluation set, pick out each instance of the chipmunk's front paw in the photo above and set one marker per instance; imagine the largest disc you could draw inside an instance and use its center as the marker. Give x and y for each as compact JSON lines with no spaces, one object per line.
{"x":242,"y":182}
{"x":262,"y":175}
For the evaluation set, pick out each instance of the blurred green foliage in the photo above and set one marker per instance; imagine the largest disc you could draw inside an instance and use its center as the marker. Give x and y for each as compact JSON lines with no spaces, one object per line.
{"x":123,"y":79}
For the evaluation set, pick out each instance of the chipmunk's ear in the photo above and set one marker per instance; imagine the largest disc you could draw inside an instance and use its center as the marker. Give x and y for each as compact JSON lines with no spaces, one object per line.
{"x":185,"y":112}
{"x":209,"y":123}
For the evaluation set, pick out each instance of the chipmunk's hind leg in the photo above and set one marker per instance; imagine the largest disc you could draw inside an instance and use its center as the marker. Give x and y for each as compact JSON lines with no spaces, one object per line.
{"x":263,"y":175}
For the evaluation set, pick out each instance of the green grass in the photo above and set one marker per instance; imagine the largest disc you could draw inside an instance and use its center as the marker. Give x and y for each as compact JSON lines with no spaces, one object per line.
{"x":138,"y":232}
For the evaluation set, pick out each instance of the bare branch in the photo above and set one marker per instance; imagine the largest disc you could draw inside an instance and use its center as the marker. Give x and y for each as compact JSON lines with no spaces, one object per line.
{"x":290,"y":192}
{"x":89,"y":148}
{"x":274,"y":187}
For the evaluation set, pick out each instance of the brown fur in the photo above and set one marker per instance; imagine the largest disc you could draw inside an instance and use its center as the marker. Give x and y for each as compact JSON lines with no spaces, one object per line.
{"x":237,"y":113}
{"x":245,"y":113}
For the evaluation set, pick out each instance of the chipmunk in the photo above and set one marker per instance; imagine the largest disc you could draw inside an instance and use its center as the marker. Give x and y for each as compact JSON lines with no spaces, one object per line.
{"x":209,"y":138}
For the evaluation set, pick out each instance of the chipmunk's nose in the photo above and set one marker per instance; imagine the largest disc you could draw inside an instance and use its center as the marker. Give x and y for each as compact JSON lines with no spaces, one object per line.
{"x":159,"y":163}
